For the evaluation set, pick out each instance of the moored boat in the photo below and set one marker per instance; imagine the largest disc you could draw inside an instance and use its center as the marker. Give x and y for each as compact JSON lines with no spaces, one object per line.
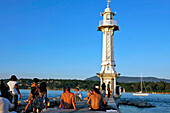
{"x":141,"y":93}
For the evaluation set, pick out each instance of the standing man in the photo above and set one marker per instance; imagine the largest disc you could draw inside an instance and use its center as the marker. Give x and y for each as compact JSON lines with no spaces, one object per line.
{"x":108,"y":89}
{"x":103,"y":89}
{"x":14,"y":90}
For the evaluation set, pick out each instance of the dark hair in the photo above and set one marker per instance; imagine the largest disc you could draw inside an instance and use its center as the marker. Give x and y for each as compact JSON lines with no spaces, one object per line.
{"x":43,"y":86}
{"x":64,"y":89}
{"x":67,"y":89}
{"x":96,"y":90}
{"x":13,"y":77}
{"x":77,"y":89}
{"x":36,"y":80}
{"x":36,"y":93}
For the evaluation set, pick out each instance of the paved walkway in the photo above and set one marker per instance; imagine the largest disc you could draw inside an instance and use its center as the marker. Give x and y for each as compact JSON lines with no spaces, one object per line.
{"x":82,"y":107}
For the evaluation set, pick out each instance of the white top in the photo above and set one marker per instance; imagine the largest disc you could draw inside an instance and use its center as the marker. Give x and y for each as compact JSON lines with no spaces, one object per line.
{"x":12,"y":88}
{"x":4,"y":105}
{"x":107,"y":10}
{"x":79,"y":94}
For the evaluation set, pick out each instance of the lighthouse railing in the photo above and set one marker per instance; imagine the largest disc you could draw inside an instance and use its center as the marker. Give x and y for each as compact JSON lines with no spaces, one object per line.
{"x":107,"y":22}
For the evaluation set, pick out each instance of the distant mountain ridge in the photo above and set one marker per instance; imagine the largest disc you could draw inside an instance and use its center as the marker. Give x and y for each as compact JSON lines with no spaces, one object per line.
{"x":126,"y":79}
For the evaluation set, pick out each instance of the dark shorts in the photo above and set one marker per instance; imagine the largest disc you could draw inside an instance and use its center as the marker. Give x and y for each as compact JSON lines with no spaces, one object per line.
{"x":97,"y":109}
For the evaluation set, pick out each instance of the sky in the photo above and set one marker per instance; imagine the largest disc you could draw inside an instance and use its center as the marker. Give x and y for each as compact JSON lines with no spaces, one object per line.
{"x":59,"y":38}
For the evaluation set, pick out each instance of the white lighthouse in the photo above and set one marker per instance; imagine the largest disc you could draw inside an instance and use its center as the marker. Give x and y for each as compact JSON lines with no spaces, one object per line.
{"x":108,"y":26}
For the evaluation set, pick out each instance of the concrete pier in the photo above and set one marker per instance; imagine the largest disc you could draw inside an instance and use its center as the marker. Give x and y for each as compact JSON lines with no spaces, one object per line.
{"x":82,"y":106}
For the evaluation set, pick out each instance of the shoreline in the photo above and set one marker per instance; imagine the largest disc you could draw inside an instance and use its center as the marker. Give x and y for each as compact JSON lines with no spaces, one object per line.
{"x":74,"y":89}
{"x":152,"y":92}
{"x":61,"y":89}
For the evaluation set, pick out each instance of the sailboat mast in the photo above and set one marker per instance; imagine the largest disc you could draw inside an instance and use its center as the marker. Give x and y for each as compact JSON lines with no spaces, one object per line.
{"x":141,"y":83}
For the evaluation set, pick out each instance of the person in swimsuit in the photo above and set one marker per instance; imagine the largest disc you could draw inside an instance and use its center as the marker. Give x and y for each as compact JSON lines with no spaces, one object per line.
{"x":34,"y":89}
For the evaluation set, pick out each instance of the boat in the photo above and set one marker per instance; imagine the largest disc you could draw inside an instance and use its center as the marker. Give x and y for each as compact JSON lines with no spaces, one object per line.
{"x":124,"y":90}
{"x":141,"y":92}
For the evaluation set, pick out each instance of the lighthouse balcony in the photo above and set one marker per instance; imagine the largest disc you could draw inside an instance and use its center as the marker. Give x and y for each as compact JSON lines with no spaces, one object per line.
{"x":107,"y":22}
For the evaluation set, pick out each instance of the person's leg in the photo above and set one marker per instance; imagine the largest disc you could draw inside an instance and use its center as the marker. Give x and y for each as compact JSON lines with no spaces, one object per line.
{"x":77,"y":98}
{"x":15,"y":102}
{"x":104,"y":93}
{"x":46,"y":102}
{"x":108,"y":94}
{"x":62,"y":103}
{"x":29,"y":103}
{"x":10,"y":97}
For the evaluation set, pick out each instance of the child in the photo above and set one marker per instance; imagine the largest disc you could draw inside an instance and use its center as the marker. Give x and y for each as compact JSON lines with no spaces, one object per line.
{"x":38,"y":103}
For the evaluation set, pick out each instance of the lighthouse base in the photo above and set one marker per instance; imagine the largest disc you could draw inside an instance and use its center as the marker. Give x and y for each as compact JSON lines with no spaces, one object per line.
{"x":106,"y":78}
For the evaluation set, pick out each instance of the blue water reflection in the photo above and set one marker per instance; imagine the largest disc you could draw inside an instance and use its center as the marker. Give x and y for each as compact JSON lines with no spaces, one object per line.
{"x":161,"y":101}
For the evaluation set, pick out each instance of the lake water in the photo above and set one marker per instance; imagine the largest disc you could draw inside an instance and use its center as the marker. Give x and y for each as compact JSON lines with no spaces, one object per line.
{"x":161,"y":101}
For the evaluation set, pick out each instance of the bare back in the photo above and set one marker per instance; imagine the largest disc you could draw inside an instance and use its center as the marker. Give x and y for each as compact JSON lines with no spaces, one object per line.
{"x":96,"y":101}
{"x":68,"y":98}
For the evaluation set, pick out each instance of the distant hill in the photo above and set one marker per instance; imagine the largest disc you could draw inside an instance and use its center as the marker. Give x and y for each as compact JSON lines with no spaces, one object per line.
{"x":126,"y":79}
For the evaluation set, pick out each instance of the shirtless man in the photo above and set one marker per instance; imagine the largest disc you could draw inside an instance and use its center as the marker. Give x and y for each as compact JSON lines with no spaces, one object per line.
{"x":96,"y":100}
{"x":67,"y":100}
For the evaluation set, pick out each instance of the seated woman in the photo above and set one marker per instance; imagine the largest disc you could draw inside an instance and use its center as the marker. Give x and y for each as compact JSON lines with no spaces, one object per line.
{"x":43,"y":92}
{"x":38,"y":103}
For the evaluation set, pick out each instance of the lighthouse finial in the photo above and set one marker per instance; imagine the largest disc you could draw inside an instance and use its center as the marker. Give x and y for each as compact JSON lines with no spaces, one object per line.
{"x":108,"y":2}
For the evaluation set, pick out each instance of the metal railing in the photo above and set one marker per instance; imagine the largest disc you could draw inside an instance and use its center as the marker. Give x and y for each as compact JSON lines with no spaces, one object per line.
{"x":107,"y":22}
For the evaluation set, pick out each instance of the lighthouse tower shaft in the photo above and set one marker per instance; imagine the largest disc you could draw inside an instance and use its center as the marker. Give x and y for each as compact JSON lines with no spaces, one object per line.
{"x":108,"y":73}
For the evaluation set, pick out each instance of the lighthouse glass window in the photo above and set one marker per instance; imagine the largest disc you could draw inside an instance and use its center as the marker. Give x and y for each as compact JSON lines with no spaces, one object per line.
{"x":107,"y":17}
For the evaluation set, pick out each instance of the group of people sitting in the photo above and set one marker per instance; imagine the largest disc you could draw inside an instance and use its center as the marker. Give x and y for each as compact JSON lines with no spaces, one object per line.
{"x":68,"y":99}
{"x":38,"y":93}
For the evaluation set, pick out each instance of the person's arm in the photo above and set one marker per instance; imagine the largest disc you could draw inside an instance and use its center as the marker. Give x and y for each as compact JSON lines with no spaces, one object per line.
{"x":16,"y":86}
{"x":45,"y":96}
{"x":103,"y":101}
{"x":7,"y":86}
{"x":61,"y":99}
{"x":73,"y":102}
{"x":76,"y":94}
{"x":88,"y":102}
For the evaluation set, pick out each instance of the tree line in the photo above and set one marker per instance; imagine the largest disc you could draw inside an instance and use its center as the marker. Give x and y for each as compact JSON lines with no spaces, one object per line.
{"x":159,"y":87}
{"x":55,"y":84}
